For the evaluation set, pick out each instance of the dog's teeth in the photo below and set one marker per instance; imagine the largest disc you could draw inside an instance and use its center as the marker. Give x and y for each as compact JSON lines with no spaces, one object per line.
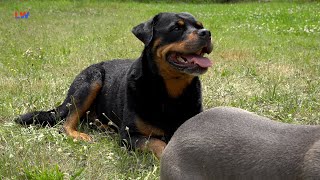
{"x":180,"y":59}
{"x":199,"y":52}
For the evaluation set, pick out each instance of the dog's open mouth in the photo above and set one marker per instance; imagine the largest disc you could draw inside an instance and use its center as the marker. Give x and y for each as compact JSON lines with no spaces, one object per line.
{"x":196,"y":59}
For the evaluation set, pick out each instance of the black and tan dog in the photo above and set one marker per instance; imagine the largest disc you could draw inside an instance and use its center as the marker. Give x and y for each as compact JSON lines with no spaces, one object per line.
{"x":147,"y":99}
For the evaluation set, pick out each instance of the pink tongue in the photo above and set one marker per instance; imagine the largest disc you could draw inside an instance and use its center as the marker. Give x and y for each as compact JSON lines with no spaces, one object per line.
{"x":201,"y":61}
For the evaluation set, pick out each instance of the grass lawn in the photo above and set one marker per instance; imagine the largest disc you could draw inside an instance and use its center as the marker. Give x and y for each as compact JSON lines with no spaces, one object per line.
{"x":267,"y":60}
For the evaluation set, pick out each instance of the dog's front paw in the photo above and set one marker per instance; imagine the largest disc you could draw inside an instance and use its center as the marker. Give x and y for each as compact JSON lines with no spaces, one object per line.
{"x":80,"y":136}
{"x":84,"y":137}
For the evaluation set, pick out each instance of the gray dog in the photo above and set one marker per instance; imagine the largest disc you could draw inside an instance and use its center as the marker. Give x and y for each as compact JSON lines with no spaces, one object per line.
{"x":231,"y":143}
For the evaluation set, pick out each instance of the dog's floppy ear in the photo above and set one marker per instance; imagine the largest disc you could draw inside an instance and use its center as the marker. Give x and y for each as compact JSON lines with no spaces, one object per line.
{"x":144,"y":31}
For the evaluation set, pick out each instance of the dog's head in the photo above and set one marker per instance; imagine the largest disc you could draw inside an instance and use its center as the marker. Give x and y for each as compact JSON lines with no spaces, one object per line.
{"x":178,"y":43}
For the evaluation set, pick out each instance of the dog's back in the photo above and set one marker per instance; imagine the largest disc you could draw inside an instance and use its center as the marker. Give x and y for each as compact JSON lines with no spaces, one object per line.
{"x":230,"y":143}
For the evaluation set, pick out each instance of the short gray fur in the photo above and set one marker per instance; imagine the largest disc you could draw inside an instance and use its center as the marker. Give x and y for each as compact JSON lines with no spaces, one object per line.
{"x":231,"y":143}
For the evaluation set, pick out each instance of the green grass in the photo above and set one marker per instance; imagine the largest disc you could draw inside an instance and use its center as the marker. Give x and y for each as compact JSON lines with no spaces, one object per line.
{"x":267,"y":60}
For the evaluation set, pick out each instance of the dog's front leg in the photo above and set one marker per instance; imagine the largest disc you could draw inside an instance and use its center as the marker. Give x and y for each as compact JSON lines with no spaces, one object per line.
{"x":140,"y":142}
{"x":156,"y":146}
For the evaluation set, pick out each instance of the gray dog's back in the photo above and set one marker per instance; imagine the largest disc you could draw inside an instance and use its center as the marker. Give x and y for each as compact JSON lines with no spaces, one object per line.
{"x":231,"y":143}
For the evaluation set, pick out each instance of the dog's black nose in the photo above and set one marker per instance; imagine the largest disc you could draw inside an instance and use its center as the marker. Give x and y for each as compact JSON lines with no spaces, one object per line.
{"x":204,"y":33}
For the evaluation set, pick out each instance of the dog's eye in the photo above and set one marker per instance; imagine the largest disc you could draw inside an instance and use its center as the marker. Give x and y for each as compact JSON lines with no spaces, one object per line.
{"x":177,"y":28}
{"x":199,"y":26}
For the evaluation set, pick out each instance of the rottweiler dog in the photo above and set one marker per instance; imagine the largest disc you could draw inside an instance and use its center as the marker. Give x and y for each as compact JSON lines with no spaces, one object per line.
{"x":146,"y":99}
